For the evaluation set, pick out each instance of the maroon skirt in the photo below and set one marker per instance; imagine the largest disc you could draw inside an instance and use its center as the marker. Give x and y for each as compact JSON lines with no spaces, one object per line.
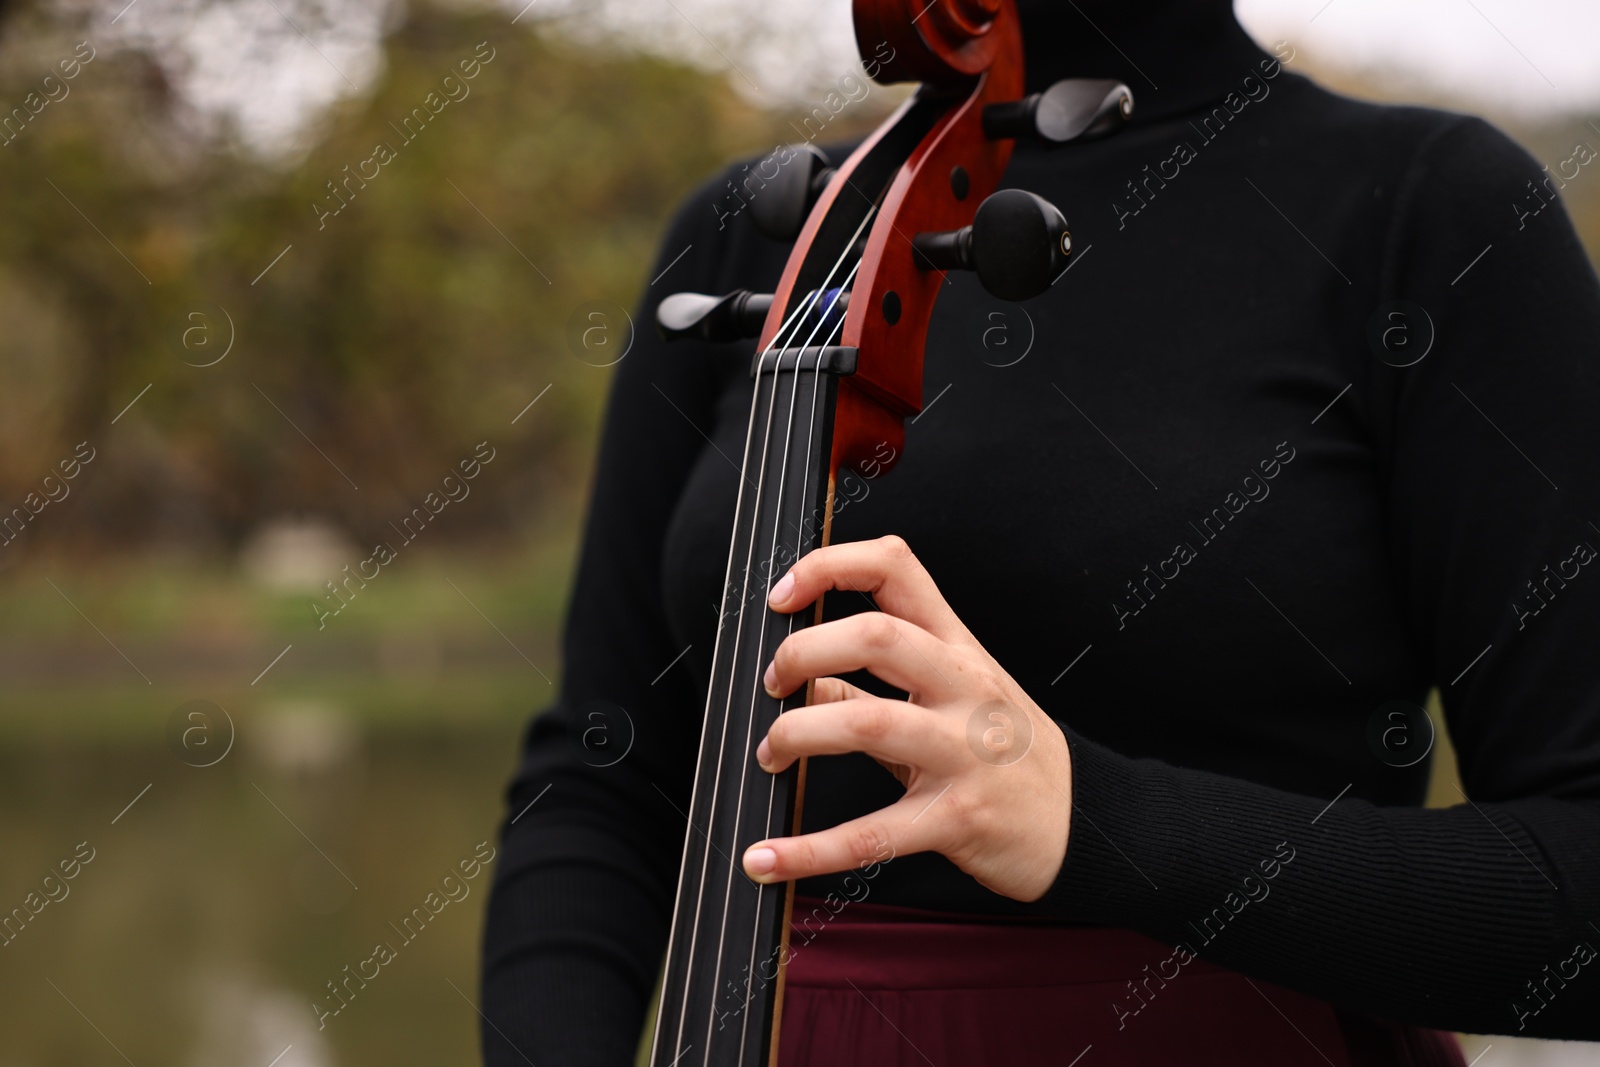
{"x":894,"y":987}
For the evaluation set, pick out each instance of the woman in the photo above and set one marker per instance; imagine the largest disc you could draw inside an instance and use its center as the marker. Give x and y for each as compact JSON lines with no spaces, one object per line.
{"x":1278,"y":454}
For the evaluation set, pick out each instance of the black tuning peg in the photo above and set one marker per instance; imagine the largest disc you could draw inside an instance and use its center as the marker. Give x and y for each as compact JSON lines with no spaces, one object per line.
{"x":734,"y":317}
{"x":1018,"y":244}
{"x":779,"y":205}
{"x":1072,"y":110}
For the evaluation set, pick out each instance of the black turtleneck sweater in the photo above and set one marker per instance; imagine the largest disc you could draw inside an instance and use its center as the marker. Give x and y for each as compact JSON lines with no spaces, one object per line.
{"x":1300,"y":435}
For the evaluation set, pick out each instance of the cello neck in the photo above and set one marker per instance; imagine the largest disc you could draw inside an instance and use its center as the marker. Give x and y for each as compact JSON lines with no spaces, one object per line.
{"x":719,"y":995}
{"x":832,"y":393}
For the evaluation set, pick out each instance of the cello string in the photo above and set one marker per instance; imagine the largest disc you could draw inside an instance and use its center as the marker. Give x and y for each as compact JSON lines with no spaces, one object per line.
{"x":761,"y":635}
{"x":816,"y":372}
{"x":792,"y":321}
{"x":792,"y":326}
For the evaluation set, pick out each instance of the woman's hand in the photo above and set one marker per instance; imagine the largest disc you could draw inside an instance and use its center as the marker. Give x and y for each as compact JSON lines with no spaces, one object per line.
{"x":987,"y":774}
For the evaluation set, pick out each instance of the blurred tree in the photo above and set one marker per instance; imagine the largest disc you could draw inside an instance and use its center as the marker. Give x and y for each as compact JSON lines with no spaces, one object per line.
{"x":373,"y":347}
{"x":393,"y":335}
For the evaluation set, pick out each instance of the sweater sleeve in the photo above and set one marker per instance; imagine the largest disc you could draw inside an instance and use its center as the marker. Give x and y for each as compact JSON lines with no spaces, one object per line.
{"x":1481,"y":917}
{"x":582,"y":900}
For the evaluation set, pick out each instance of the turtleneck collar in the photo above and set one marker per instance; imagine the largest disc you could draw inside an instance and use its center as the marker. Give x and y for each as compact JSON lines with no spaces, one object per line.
{"x":1175,"y":55}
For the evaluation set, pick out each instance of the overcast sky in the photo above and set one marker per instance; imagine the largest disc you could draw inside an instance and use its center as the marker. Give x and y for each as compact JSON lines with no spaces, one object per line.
{"x":273,"y":66}
{"x":1524,"y":55}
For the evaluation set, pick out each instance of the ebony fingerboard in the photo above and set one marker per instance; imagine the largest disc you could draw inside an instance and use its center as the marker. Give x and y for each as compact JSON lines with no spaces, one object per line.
{"x":719,"y":995}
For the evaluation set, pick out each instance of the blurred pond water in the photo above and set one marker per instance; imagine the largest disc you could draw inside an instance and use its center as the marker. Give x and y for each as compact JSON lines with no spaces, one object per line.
{"x":217,"y":903}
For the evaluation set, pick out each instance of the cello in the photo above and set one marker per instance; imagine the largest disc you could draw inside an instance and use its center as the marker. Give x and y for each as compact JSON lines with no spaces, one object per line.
{"x":838,"y":370}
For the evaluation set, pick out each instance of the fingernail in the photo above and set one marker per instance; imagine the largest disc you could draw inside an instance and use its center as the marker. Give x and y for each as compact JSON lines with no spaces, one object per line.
{"x":764,"y":754}
{"x":770,"y":679}
{"x":781,"y":591}
{"x":759,"y":862}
